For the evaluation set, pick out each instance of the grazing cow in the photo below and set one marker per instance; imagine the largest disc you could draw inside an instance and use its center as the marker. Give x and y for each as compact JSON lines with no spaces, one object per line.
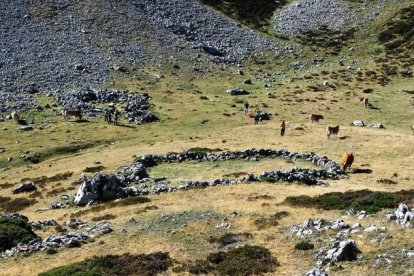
{"x":347,"y":160}
{"x":315,"y":118}
{"x":14,"y":116}
{"x":332,"y":130}
{"x":364,"y":101}
{"x":69,"y":112}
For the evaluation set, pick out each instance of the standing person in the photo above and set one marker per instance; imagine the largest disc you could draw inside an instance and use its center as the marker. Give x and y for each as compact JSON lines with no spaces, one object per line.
{"x":116,"y":117}
{"x":109,"y":116}
{"x":257,"y":117}
{"x":106,"y":115}
{"x":282,"y":128}
{"x":246,"y":108}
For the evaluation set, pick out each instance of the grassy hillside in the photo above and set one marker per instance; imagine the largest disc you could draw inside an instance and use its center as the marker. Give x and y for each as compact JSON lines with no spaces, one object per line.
{"x":197,"y":230}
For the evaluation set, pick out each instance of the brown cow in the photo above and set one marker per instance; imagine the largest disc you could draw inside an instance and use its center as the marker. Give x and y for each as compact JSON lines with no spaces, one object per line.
{"x":315,"y":118}
{"x":69,"y":112}
{"x":332,"y":130}
{"x":347,"y":160}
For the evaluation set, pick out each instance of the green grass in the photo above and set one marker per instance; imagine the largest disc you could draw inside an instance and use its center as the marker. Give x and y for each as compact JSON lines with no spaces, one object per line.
{"x":367,"y":200}
{"x":211,"y":170}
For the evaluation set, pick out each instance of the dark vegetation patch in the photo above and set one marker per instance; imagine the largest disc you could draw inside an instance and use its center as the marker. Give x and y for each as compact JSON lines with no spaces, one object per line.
{"x":387,"y":181}
{"x":94,"y":169}
{"x":235,"y":174}
{"x":120,"y":265}
{"x":14,"y":231}
{"x":16,"y":205}
{"x":203,"y":150}
{"x":304,"y":246}
{"x":74,"y":148}
{"x":245,"y":260}
{"x":42,"y":180}
{"x":6,"y":185}
{"x":104,"y":217}
{"x":254,"y":13}
{"x":43,"y":9}
{"x":121,"y":203}
{"x":327,"y":38}
{"x":359,"y":200}
{"x":272,"y":220}
{"x":258,"y":197}
{"x":146,"y":208}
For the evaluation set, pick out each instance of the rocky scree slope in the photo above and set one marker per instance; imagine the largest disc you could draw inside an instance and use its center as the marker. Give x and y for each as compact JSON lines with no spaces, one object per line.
{"x":70,"y":44}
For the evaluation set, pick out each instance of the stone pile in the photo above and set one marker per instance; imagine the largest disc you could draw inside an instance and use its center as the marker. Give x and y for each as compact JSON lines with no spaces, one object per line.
{"x":402,"y":216}
{"x":136,"y":107}
{"x":338,"y":252}
{"x":69,"y":239}
{"x":311,"y":227}
{"x":133,"y":179}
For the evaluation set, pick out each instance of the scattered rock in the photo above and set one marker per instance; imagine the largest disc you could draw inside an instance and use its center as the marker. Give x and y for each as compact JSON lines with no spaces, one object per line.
{"x":358,"y":123}
{"x":24,"y":187}
{"x":237,"y":91}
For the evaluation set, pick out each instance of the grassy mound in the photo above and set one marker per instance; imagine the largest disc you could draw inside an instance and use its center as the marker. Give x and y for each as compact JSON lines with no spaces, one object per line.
{"x":398,"y":34}
{"x":304,"y":246}
{"x":125,"y":264}
{"x":246,"y":260}
{"x":14,"y":231}
{"x":359,"y":200}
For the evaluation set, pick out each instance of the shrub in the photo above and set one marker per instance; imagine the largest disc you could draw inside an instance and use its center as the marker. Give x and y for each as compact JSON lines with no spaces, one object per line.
{"x":247,"y":260}
{"x":304,"y":245}
{"x":121,"y":265}
{"x":359,"y":200}
{"x":14,"y":231}
{"x":94,"y":169}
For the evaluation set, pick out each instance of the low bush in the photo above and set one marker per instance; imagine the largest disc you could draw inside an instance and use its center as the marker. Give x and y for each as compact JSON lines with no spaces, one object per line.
{"x":120,"y":265}
{"x":359,"y":200}
{"x":14,"y":231}
{"x":246,"y":260}
{"x":94,"y":169}
{"x":304,"y":245}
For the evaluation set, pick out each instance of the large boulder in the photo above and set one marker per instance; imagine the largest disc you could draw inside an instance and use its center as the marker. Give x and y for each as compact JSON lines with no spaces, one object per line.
{"x":404,"y":215}
{"x":339,"y":252}
{"x":24,"y":187}
{"x":101,"y":187}
{"x":316,"y":271}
